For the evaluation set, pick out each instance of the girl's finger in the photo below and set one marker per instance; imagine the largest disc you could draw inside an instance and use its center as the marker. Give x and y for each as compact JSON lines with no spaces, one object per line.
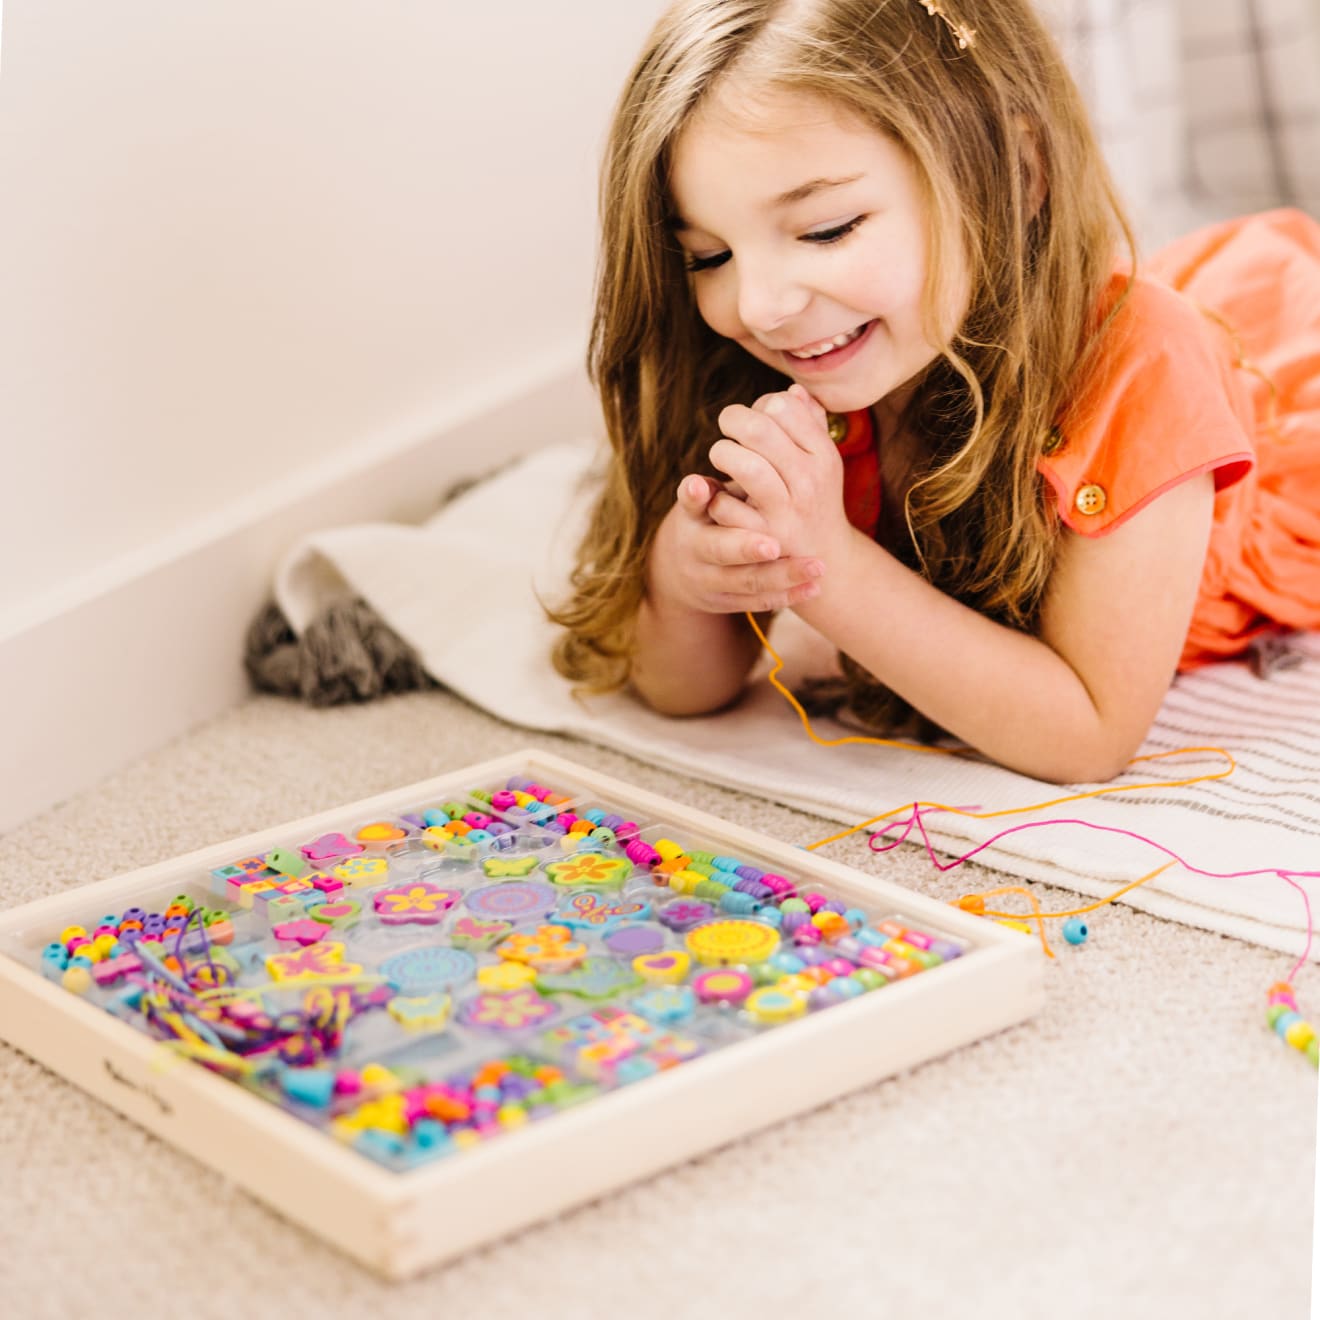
{"x":695,"y":493}
{"x":730,"y":512}
{"x":759,"y":428}
{"x":801,"y":419}
{"x":725,"y":548}
{"x":765,"y":486}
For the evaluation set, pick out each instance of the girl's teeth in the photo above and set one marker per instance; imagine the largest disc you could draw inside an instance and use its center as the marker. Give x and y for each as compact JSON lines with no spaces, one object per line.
{"x":826,"y":345}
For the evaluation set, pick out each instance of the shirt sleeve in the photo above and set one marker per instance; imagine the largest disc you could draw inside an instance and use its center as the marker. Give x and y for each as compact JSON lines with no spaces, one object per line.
{"x":1162,"y":403}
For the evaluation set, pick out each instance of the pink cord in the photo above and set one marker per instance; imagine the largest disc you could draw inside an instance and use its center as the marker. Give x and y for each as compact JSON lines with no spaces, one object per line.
{"x":918,"y":809}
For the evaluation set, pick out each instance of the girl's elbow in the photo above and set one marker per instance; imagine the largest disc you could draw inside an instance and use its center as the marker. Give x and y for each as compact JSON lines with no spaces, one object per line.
{"x":1094,"y":762}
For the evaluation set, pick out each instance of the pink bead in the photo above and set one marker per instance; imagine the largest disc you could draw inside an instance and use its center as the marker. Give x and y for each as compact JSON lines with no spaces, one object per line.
{"x":641,"y":853}
{"x":814,"y":900}
{"x":502,"y":800}
{"x":780,"y":885}
{"x":916,"y":939}
{"x":838,"y":966}
{"x":348,"y":1083}
{"x":806,"y":934}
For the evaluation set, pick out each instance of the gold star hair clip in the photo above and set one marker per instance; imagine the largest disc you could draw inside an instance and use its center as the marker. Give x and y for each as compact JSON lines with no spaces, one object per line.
{"x":966,"y":36}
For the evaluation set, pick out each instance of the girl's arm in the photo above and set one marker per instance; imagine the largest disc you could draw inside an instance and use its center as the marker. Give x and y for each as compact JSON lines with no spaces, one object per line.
{"x":1072,"y":704}
{"x":694,"y":648}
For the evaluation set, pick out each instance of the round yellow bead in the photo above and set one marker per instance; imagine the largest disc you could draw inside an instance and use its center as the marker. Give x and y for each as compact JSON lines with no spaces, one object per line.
{"x":376,"y":1075}
{"x":77,"y":979}
{"x":71,"y":933}
{"x":511,"y":1116}
{"x":795,"y":983}
{"x":466,"y":1138}
{"x":1300,"y":1035}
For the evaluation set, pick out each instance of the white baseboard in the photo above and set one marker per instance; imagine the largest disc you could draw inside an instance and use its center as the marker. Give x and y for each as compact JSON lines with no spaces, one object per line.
{"x":109,"y":668}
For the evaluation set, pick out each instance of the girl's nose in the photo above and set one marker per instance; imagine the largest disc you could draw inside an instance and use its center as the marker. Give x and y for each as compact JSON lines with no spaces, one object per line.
{"x":768,"y":297}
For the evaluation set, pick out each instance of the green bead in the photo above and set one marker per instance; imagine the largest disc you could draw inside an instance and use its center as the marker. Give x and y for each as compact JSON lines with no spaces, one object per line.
{"x":794,"y":905}
{"x":1275,"y":1012}
{"x":1313,"y":1050}
{"x":870,"y":978}
{"x":710,"y":889}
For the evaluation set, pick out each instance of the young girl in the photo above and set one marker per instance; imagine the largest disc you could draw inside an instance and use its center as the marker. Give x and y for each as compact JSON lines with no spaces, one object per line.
{"x":871,"y":348}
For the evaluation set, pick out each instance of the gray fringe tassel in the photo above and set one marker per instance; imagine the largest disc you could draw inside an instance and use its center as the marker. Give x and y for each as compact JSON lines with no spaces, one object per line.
{"x":348,"y":653}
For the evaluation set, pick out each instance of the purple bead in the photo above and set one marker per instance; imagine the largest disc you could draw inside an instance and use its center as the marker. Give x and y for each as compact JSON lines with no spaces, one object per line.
{"x":815,"y":954}
{"x":945,"y":950}
{"x":833,"y":905}
{"x":749,"y":873}
{"x":792,"y":920}
{"x":632,"y":941}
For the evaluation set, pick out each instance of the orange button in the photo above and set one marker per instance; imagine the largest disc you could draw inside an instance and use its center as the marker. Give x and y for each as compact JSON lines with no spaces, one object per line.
{"x":1091,"y":499}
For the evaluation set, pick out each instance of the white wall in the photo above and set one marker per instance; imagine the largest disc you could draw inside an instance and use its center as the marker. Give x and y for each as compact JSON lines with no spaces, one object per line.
{"x":250,"y":251}
{"x":241,"y":236}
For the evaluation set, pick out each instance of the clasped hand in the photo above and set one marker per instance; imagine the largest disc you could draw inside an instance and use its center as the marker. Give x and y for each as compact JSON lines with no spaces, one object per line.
{"x":763,"y":539}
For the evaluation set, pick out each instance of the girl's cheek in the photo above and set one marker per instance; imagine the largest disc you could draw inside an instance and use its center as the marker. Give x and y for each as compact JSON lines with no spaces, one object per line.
{"x":719,"y":312}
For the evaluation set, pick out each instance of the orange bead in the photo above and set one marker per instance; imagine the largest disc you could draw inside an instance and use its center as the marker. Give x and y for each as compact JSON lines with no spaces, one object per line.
{"x":972,"y":903}
{"x":490,"y":1074}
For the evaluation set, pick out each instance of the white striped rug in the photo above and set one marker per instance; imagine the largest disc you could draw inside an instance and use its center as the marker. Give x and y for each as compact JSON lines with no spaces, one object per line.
{"x":509,"y":539}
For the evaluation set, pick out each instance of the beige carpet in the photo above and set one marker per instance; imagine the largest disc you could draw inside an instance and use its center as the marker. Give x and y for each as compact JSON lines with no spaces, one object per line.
{"x":1144,"y":1147}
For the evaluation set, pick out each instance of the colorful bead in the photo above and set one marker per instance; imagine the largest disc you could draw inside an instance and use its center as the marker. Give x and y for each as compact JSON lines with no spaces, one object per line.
{"x":1075,"y":930}
{"x":1281,"y":1013}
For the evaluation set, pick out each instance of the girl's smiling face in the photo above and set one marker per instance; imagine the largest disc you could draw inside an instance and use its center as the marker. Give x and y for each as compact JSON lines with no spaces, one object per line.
{"x":805,"y":232}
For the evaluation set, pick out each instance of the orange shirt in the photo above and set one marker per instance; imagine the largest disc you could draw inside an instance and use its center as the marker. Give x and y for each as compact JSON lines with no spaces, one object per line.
{"x":1212,"y":365}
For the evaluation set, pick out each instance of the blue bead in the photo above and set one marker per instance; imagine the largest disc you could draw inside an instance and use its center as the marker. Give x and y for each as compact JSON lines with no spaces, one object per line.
{"x":312,"y":1086}
{"x":431,"y":1135}
{"x":1075,"y":930}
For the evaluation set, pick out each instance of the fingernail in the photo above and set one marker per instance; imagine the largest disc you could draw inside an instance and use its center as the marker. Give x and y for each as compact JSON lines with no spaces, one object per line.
{"x":775,"y":404}
{"x":767,"y":550}
{"x":814,"y":568}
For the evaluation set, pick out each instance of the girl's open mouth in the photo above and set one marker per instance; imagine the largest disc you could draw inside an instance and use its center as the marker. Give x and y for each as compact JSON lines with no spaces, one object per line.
{"x":828,"y":353}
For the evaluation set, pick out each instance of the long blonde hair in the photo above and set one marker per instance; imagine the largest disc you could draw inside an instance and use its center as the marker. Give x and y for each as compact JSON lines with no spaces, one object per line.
{"x":978,"y":524}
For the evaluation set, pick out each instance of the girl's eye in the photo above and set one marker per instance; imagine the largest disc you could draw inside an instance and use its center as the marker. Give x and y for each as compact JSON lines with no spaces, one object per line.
{"x":695,"y":264}
{"x":833,"y":235}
